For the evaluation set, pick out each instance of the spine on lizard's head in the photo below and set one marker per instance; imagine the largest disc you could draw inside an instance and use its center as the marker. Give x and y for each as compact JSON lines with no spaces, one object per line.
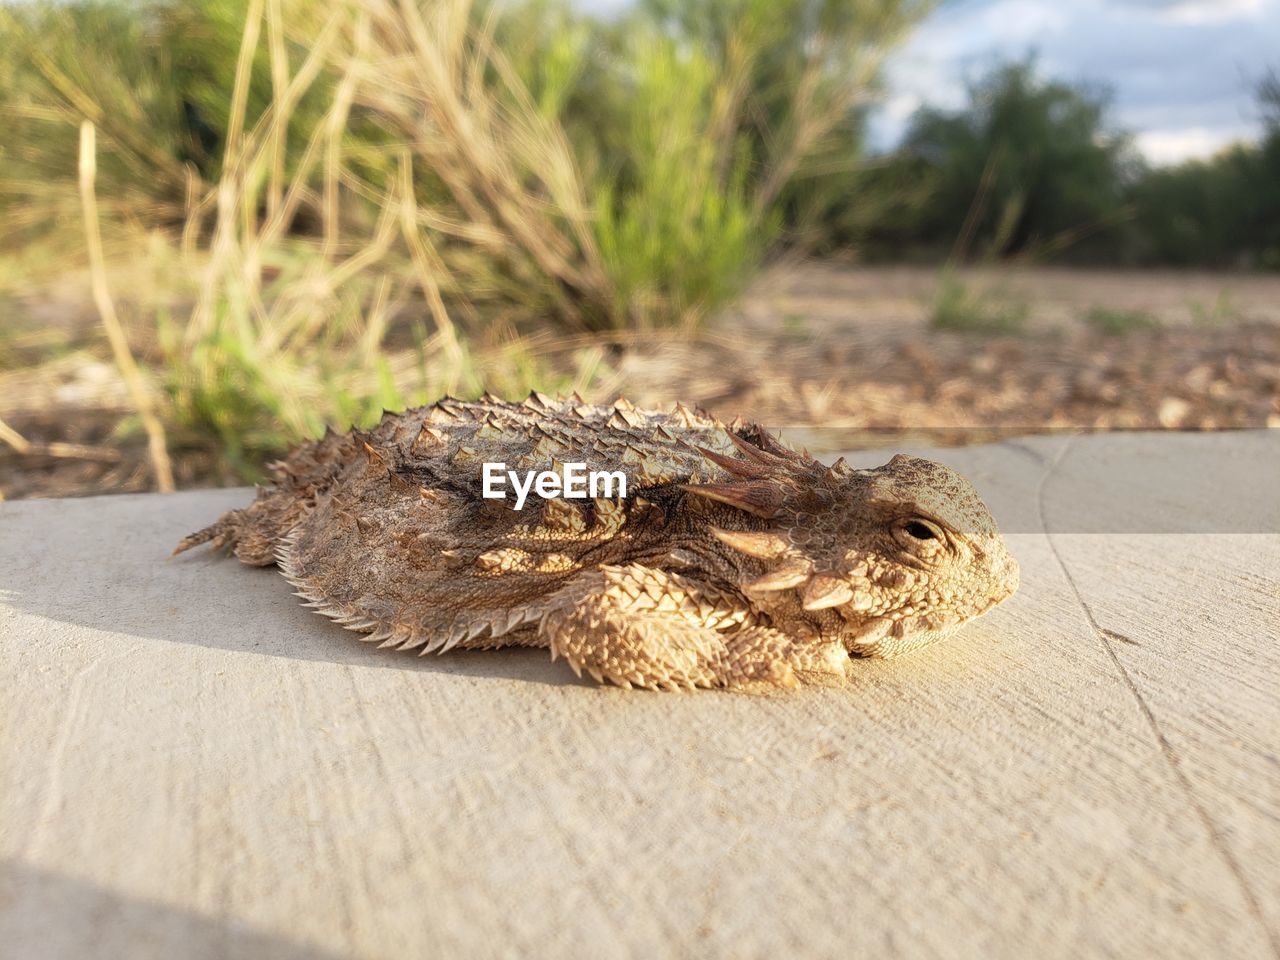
{"x":711,"y":554}
{"x":902,"y":554}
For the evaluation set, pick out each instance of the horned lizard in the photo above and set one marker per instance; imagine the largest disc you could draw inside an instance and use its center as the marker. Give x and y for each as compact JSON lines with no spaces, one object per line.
{"x":732,"y":560}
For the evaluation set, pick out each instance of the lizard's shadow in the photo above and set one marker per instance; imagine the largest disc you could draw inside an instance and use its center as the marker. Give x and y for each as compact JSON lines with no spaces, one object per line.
{"x":50,"y":913}
{"x":124,"y":583}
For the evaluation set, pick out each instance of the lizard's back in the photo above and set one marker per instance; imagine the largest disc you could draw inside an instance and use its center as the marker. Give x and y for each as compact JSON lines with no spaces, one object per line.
{"x":387,"y":531}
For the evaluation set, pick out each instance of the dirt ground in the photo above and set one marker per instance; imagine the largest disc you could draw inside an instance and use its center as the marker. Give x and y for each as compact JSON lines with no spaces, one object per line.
{"x":836,"y":357}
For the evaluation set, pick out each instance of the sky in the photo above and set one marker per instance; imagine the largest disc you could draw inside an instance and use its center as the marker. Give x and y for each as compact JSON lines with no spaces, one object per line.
{"x":1181,"y":72}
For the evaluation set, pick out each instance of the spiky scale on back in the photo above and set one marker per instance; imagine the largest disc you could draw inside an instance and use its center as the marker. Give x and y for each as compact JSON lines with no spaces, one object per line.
{"x":731,"y":560}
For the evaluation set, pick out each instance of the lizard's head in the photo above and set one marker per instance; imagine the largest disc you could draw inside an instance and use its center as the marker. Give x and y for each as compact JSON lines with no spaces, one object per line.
{"x":903,"y":555}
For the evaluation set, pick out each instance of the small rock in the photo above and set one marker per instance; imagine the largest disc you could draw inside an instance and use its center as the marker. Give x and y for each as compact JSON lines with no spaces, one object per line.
{"x":1172,"y":412}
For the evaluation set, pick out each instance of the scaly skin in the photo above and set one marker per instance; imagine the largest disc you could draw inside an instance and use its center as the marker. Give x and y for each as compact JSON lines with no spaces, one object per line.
{"x":733,"y":560}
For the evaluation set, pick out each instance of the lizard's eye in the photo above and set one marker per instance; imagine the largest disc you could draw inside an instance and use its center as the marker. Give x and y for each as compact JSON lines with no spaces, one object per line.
{"x":922,"y":537}
{"x":920,"y":530}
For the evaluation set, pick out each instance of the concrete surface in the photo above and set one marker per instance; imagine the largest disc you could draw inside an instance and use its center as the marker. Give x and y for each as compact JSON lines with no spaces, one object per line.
{"x":193,"y":765}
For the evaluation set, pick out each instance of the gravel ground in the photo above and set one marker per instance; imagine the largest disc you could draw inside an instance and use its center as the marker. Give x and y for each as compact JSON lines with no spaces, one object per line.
{"x":836,"y":357}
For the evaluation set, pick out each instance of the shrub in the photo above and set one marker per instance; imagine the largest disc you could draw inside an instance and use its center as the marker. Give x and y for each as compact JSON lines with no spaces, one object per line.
{"x":1028,"y":167}
{"x":1113,"y":321}
{"x":594,"y":176}
{"x":957,"y":306}
{"x":1219,"y":313}
{"x":382,"y":202}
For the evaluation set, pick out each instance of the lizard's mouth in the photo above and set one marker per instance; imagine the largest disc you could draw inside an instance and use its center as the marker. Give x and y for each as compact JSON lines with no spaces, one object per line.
{"x":891,"y":636}
{"x":895,"y":632}
{"x":886,"y":637}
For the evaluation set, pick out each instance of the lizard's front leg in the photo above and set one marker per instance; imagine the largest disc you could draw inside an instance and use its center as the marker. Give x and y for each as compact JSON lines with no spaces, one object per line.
{"x":639,"y":626}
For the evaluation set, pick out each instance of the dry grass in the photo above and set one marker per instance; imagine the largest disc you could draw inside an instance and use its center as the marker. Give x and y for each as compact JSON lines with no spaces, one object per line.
{"x":409,"y":211}
{"x":139,"y":390}
{"x":287,"y":333}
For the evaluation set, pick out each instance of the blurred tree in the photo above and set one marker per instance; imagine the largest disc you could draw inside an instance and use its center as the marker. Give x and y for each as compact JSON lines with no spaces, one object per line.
{"x":1268,"y":93}
{"x":802,"y":75}
{"x":1028,"y":167}
{"x":1196,"y":212}
{"x":1220,"y":212}
{"x":155,"y":79}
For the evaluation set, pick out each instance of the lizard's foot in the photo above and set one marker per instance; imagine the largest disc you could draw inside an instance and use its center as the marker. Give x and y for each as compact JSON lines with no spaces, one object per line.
{"x":637,"y":626}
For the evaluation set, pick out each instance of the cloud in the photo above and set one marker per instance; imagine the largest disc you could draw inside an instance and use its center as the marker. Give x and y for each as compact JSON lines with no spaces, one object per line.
{"x":1180,"y":71}
{"x":1198,"y":11}
{"x":1216,"y":11}
{"x":1173,"y":146}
